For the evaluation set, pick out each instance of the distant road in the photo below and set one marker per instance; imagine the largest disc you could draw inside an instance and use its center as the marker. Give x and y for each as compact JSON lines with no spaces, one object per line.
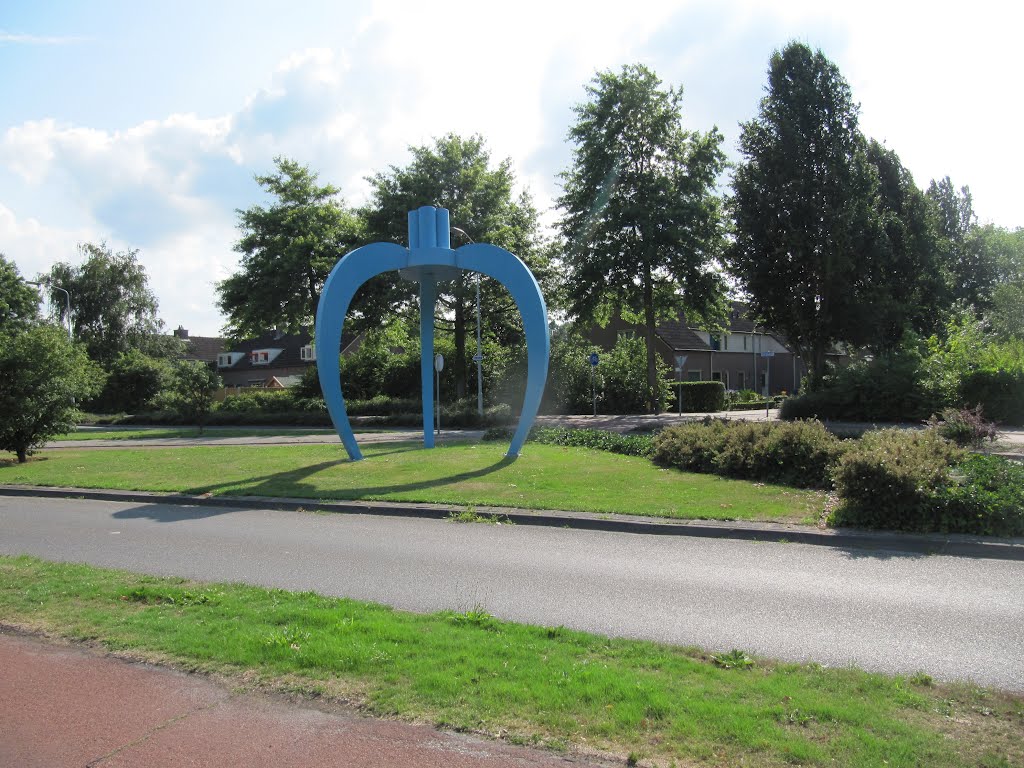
{"x":950,"y":617}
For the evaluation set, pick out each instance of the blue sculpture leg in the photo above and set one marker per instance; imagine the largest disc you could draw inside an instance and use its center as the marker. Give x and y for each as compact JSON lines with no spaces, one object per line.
{"x":348,"y":274}
{"x":428,"y":301}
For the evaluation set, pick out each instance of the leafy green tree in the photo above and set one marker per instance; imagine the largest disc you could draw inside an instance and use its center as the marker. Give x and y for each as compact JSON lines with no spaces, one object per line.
{"x":19,"y":301}
{"x":805,"y":201}
{"x":193,"y":385}
{"x":133,"y":380}
{"x":456,"y":173}
{"x":1005,"y":249}
{"x":42,"y":375}
{"x":641,"y":221}
{"x":288,"y":248}
{"x":972,"y":269}
{"x":908,"y":278}
{"x":113,"y":309}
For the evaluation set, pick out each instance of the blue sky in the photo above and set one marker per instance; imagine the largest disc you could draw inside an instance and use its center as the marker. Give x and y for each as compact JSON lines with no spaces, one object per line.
{"x":142,"y":124}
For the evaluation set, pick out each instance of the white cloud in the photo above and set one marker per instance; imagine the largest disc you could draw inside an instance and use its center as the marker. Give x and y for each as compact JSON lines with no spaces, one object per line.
{"x":24,"y":39}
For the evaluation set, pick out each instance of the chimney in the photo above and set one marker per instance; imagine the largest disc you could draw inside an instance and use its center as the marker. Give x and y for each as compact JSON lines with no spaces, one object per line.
{"x":181,"y":333}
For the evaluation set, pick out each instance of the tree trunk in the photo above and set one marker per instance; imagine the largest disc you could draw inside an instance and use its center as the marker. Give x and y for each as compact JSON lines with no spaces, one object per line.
{"x":22,"y":455}
{"x":653,"y":401}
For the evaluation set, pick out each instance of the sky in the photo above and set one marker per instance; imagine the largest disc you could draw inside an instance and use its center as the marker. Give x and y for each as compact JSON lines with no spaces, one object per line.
{"x":143,"y":124}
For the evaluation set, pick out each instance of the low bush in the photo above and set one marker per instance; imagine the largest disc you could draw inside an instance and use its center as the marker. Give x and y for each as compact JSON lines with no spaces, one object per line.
{"x":985,"y":497}
{"x":965,"y":427}
{"x":893,"y":479}
{"x":258,"y":400}
{"x":703,"y":396}
{"x":929,"y":488}
{"x":613,"y":442}
{"x":800,"y":454}
{"x":692,"y":447}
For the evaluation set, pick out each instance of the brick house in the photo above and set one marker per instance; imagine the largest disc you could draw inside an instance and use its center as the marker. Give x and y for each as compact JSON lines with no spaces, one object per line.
{"x":735,"y":356}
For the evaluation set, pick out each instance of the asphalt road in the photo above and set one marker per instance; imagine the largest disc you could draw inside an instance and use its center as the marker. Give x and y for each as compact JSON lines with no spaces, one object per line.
{"x":951,"y":617}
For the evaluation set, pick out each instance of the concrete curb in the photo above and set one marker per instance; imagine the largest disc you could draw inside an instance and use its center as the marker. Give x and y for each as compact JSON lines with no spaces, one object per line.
{"x":844,"y":538}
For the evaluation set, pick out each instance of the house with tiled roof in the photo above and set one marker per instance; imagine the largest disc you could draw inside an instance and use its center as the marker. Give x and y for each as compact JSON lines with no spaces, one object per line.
{"x":202,"y":348}
{"x":273,"y":360}
{"x":742,"y":356}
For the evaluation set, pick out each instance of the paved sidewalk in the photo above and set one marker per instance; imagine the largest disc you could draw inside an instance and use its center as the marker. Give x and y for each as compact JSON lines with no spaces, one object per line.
{"x":63,"y":706}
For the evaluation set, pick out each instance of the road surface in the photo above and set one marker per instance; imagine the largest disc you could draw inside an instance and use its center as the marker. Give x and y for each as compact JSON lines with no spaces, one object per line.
{"x":951,"y":617}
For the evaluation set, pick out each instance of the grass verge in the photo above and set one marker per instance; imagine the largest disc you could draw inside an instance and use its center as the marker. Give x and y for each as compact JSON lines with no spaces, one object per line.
{"x":540,"y":685}
{"x":478,"y":474}
{"x":155,"y":433}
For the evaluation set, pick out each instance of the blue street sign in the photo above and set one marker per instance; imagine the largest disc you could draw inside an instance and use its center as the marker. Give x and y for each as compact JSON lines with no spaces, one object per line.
{"x":593,"y":358}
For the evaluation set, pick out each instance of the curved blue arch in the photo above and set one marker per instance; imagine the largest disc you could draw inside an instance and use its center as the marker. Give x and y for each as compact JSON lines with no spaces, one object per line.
{"x":510,"y":271}
{"x":351,"y":271}
{"x":428,"y":261}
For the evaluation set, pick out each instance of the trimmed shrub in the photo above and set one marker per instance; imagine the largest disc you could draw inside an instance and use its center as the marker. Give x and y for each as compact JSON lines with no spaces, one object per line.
{"x":800,"y":454}
{"x":893,"y":479}
{"x":692,"y":447}
{"x":598,"y":439}
{"x":257,"y":400}
{"x":703,"y":396}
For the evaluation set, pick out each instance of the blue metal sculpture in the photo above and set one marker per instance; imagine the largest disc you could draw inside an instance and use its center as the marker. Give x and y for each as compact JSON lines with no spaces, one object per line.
{"x":428,"y":260}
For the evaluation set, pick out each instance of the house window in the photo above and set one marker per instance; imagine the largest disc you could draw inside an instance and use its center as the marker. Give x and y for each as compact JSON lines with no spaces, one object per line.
{"x":308,"y":353}
{"x":716,"y":375}
{"x":260,"y":357}
{"x":693,"y":375}
{"x":725,"y":342}
{"x":744,"y":343}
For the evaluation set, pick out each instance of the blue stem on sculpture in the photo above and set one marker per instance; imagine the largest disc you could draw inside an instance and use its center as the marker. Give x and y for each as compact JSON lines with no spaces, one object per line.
{"x":428,"y":301}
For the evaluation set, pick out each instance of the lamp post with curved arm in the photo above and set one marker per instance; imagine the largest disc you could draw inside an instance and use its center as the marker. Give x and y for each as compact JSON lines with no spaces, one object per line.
{"x":67,"y":298}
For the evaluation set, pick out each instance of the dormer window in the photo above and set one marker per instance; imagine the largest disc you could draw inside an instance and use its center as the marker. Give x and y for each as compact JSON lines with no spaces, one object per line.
{"x":263,"y":356}
{"x":227,"y":359}
{"x":308,"y":353}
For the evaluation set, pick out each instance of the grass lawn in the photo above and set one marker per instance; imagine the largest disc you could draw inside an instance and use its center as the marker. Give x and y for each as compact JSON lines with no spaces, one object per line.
{"x":144,"y":433}
{"x":477,"y":474}
{"x":551,"y":686}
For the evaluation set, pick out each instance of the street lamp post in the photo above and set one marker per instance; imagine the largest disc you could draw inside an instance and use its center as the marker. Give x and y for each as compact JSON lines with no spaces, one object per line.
{"x":67,"y":298}
{"x":478,"y":357}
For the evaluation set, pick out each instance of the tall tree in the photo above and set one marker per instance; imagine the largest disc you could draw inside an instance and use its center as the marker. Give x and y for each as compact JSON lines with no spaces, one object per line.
{"x":909,"y":282}
{"x":1005,"y":249}
{"x":805,"y":201}
{"x":113,"y":309}
{"x":641,"y":220}
{"x":972,"y":271}
{"x":42,"y":374}
{"x":19,"y":301}
{"x":288,"y":248}
{"x":456,"y":173}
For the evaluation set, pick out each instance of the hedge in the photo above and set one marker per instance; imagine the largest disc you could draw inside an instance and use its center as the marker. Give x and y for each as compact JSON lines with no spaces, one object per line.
{"x":703,"y":396}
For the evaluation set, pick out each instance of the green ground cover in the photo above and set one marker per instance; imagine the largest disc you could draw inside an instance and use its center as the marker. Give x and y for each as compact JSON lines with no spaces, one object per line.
{"x":478,"y":474}
{"x":466,"y":670}
{"x":152,"y":433}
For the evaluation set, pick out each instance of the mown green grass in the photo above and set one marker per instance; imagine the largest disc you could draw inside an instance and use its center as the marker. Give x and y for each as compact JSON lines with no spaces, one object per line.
{"x":544,"y":477}
{"x":469,"y":671}
{"x":154,"y":433}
